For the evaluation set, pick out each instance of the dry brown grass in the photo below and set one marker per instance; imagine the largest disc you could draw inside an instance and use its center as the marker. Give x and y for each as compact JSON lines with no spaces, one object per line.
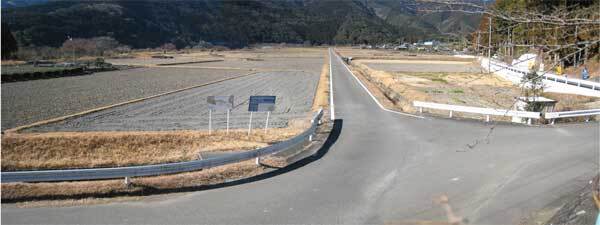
{"x":471,"y":89}
{"x":109,"y":149}
{"x":321,"y":99}
{"x":28,"y":192}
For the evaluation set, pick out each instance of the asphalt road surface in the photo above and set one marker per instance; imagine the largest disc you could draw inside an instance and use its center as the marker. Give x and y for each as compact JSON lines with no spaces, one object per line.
{"x":382,"y":168}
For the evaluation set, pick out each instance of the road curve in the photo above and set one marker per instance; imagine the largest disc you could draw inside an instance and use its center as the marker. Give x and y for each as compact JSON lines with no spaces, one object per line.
{"x":383,"y":168}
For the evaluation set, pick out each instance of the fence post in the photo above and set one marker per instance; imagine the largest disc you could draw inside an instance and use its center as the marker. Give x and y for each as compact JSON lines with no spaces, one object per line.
{"x":420,"y":109}
{"x":529,"y":121}
{"x":487,"y":118}
{"x":127,"y":182}
{"x":552,"y":121}
{"x":450,"y":114}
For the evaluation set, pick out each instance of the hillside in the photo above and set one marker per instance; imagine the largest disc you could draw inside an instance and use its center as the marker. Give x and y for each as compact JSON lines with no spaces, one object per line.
{"x":415,"y":25}
{"x":144,"y":24}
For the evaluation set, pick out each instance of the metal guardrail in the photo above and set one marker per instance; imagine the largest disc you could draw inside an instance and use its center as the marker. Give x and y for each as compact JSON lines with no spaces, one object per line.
{"x":559,"y":79}
{"x":159,"y":169}
{"x":477,"y":110}
{"x":565,"y":114}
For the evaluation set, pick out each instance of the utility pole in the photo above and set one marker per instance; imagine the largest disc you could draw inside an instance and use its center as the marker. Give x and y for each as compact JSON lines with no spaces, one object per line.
{"x":490,"y":44}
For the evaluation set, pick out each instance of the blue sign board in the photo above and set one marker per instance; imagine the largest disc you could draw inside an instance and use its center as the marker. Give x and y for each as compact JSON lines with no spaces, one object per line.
{"x":261,"y":103}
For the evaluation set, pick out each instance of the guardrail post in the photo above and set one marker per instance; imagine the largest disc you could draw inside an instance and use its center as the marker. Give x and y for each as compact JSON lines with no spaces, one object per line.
{"x":127,"y":181}
{"x":552,"y":121}
{"x":310,"y":137}
{"x":257,"y":161}
{"x":450,"y":114}
{"x":529,"y":121}
{"x":420,"y":109}
{"x":487,"y":118}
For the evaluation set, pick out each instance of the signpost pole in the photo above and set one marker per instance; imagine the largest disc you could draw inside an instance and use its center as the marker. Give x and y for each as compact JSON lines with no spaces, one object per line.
{"x":267,"y":122}
{"x":228,"y":121}
{"x":250,"y":124}
{"x":209,"y":121}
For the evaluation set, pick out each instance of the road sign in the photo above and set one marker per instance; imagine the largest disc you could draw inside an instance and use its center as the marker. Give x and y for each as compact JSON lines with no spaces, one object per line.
{"x":220,"y":102}
{"x":261,"y":103}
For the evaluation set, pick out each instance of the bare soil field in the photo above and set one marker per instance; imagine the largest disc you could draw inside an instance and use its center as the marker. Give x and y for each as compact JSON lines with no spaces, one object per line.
{"x":304,"y":59}
{"x":31,"y":101}
{"x":279,"y":64}
{"x":187,"y":110}
{"x":422,"y":66}
{"x":158,"y":62}
{"x":385,"y":54}
{"x":481,"y":90}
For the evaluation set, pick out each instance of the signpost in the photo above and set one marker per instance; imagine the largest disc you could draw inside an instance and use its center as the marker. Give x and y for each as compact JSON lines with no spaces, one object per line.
{"x":261,"y":104}
{"x":219,"y":103}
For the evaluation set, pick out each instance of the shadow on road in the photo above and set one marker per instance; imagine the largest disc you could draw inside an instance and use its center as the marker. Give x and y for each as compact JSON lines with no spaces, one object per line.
{"x":149,"y":190}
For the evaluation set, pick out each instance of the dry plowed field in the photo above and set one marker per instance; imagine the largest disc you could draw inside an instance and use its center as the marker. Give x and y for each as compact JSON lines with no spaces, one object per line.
{"x":290,"y":63}
{"x":422,"y":66}
{"x":30,"y":101}
{"x":187,"y":110}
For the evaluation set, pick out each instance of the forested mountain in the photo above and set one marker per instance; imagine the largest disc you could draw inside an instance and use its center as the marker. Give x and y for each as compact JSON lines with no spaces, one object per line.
{"x":147,"y":23}
{"x":21,"y":3}
{"x":415,"y":24}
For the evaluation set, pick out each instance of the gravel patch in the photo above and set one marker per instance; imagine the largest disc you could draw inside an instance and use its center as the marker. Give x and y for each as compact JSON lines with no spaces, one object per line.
{"x":187,"y":110}
{"x":30,"y":101}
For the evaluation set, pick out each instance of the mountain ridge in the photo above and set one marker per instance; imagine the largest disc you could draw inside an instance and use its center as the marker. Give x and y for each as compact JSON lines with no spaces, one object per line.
{"x":148,"y":24}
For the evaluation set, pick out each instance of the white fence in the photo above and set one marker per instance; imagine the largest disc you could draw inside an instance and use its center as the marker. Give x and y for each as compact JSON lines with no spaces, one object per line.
{"x":477,"y":110}
{"x":503,"y":112}
{"x":552,"y":82}
{"x":576,"y":113}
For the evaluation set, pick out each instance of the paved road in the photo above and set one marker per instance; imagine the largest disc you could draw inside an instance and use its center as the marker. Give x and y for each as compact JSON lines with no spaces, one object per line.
{"x":383,"y":168}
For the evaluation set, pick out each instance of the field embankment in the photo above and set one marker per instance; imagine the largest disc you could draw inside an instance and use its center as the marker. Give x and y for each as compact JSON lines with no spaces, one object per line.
{"x":60,"y":150}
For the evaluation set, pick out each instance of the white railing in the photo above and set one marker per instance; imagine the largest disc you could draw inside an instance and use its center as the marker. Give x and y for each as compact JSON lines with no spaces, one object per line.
{"x":498,"y":66}
{"x":477,"y":110}
{"x":576,"y":113}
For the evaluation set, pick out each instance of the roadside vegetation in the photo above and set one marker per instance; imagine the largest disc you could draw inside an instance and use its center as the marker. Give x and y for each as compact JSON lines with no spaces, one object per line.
{"x":103,"y":191}
{"x":60,"y":150}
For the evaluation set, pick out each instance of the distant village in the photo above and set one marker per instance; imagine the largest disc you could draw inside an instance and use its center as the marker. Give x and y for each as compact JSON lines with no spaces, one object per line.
{"x":422,"y":46}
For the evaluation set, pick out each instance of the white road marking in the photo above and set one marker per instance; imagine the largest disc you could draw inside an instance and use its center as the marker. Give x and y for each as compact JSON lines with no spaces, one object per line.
{"x":455,"y":179}
{"x":372,"y":96}
{"x":331,"y":105}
